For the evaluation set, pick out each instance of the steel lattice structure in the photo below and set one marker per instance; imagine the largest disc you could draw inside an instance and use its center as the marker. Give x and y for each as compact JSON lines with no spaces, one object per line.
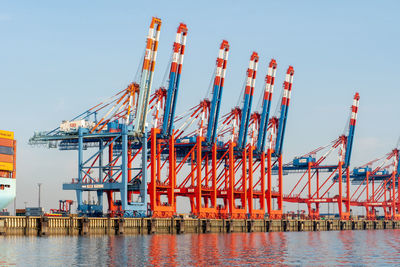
{"x":227,"y":167}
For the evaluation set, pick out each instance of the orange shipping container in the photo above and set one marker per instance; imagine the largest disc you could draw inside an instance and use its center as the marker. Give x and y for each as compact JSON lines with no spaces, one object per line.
{"x":6,"y":158}
{"x":6,"y":142}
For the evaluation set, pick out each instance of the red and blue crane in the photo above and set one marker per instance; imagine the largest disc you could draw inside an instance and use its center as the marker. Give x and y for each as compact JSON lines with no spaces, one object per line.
{"x":266,"y":106}
{"x":223,"y":166}
{"x":311,"y":167}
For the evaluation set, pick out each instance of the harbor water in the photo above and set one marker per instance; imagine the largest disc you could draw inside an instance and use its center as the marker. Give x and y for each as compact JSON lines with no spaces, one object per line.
{"x":370,"y":247}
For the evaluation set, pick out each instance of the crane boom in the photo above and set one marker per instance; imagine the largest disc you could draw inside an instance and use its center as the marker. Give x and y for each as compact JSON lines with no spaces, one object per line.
{"x":217,"y":91}
{"x":146,"y":80}
{"x":248,"y":99}
{"x":268,"y":91}
{"x":174,"y":79}
{"x":287,"y":90}
{"x":352,"y":125}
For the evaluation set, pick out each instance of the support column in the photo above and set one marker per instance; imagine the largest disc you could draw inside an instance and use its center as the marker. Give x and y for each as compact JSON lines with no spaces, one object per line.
{"x":100,"y":199}
{"x":153,"y":169}
{"x":231,"y":200}
{"x":398,"y":191}
{"x":340,"y":191}
{"x":394,"y":196}
{"x":172,"y":168}
{"x":198,"y":175}
{"x":280,"y":198}
{"x":262,"y":199}
{"x":214,"y":176}
{"x":367,"y":187}
{"x":129,"y":167}
{"x":243,"y":197}
{"x":101,"y":161}
{"x":348,"y":190}
{"x":143,"y":185}
{"x":124,"y":169}
{"x":269,"y":183}
{"x":80,"y":159}
{"x":317,"y":204}
{"x":110,"y":193}
{"x":309,"y":180}
{"x":250,"y":195}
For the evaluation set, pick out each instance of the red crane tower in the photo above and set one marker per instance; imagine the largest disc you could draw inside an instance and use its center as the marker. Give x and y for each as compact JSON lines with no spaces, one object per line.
{"x":311,"y":168}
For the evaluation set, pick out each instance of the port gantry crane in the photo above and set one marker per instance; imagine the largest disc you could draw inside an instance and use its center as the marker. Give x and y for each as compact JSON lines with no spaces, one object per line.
{"x":120,"y":133}
{"x":384,"y":195}
{"x":213,"y":172}
{"x":277,"y":134}
{"x":218,"y":170}
{"x":198,"y":148}
{"x":238,"y":170}
{"x":259,"y":126}
{"x":310,"y":167}
{"x":162,"y":139}
{"x":260,"y":164}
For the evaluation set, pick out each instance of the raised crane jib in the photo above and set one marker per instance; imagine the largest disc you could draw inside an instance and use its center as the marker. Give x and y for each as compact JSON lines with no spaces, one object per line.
{"x":352,"y":126}
{"x":266,"y":106}
{"x":248,"y":99}
{"x":146,"y":80}
{"x":397,"y":165}
{"x":287,"y":90}
{"x":174,"y":79}
{"x":217,"y":91}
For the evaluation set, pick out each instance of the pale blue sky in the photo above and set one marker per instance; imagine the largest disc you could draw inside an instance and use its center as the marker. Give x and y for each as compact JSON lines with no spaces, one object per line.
{"x":58,"y":59}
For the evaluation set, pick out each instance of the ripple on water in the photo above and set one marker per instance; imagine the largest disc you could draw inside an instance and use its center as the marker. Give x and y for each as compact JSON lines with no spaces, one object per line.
{"x":375,"y":247}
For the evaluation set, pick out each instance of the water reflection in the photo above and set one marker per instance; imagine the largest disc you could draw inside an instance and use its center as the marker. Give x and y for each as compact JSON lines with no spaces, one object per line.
{"x":297,"y":248}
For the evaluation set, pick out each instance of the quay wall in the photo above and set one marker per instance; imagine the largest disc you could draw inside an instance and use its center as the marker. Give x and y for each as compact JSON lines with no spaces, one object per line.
{"x":43,"y":226}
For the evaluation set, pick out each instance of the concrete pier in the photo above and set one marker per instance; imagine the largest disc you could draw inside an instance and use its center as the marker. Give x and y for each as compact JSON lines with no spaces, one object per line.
{"x":43,"y":226}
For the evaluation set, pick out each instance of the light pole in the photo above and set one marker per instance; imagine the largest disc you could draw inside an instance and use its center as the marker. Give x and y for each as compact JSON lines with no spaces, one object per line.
{"x":329,"y":204}
{"x":39,"y":185}
{"x":298,"y":211}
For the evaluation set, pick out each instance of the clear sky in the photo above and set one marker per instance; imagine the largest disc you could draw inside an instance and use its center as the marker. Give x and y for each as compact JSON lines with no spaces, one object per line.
{"x":59,"y":58}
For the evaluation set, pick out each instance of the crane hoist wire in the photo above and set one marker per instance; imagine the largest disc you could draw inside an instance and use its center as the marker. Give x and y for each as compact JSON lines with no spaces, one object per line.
{"x":260,"y":100}
{"x":346,"y":126}
{"x":139,"y":69}
{"x":165,"y":80}
{"x":278,"y":106}
{"x":210,"y":85}
{"x":241,"y":98}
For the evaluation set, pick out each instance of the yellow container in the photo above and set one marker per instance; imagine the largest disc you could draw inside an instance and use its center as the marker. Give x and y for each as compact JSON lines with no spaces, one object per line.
{"x":6,"y":134}
{"x":5,"y":166}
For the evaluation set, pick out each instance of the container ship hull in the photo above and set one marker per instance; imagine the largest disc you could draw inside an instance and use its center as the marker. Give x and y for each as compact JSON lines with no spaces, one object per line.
{"x":8,"y":147}
{"x":7,"y":191}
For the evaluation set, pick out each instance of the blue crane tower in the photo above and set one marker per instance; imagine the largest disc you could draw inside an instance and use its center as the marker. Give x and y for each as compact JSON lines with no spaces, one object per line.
{"x":266,"y":106}
{"x":248,"y":100}
{"x":174,"y":80}
{"x":121,"y":135}
{"x":217,"y":92}
{"x":287,"y":90}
